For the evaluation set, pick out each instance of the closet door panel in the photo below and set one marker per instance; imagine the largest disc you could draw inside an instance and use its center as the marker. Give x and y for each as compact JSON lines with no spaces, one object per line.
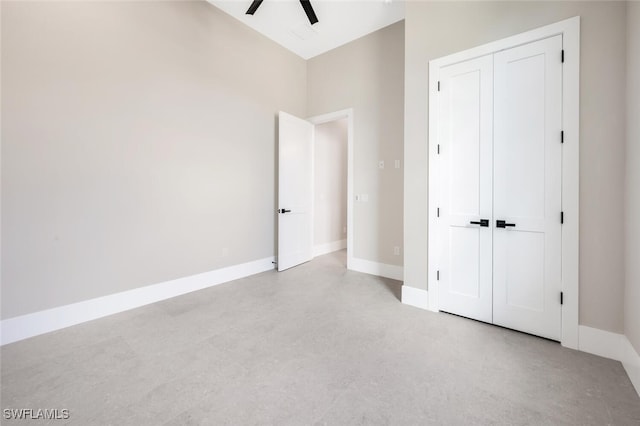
{"x":527,"y":188}
{"x":465,"y":136}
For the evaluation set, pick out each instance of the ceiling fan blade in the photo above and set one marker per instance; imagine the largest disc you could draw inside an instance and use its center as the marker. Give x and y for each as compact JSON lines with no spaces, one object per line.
{"x":254,"y":6}
{"x":308,"y":9}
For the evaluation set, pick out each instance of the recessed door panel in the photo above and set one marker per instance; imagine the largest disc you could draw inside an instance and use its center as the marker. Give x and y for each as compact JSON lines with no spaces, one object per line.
{"x":520,"y":154}
{"x":464,"y":141}
{"x":524,"y":271}
{"x":464,"y":255}
{"x":465,"y":133}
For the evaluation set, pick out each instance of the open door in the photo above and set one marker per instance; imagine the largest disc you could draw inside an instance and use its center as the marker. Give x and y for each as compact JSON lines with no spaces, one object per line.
{"x":295,"y":191}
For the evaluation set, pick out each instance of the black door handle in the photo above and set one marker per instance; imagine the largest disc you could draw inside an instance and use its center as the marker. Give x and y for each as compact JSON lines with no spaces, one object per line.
{"x":284,"y":211}
{"x":503,"y":224}
{"x":482,"y":222}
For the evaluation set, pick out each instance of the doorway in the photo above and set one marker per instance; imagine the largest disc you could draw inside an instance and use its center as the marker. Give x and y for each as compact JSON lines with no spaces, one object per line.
{"x":315,"y":201}
{"x":330,"y":186}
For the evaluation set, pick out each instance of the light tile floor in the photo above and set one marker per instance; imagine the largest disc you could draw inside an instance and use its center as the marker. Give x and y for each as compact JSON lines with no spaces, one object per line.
{"x":316,"y":344}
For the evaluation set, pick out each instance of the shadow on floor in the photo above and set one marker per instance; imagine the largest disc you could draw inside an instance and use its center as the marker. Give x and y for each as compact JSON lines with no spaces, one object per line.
{"x":394,"y":287}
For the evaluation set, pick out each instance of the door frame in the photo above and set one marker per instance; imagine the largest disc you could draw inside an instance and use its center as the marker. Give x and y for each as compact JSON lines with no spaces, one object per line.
{"x":333,"y":116}
{"x":570,"y":31}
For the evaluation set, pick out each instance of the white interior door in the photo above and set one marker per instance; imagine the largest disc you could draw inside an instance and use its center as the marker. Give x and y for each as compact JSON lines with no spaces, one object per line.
{"x":465,"y":136}
{"x":527,"y":188}
{"x":295,"y":191}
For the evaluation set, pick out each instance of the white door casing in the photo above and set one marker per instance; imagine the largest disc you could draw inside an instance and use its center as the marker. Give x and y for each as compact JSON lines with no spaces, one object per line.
{"x":465,"y":150}
{"x":295,"y":191}
{"x":569,"y":29}
{"x":348,"y":115}
{"x":527,"y":187}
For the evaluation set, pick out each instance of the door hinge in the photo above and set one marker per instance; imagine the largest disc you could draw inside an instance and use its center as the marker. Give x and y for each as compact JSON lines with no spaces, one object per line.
{"x":438,"y":86}
{"x":438,"y":149}
{"x":438,"y":212}
{"x":562,"y":136}
{"x":561,"y":218}
{"x":562,"y":298}
{"x":438,"y":275}
{"x":562,"y":56}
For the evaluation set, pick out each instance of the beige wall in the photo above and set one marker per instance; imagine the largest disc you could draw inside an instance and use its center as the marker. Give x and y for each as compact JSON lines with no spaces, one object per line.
{"x":330,"y":182}
{"x":120,"y":118}
{"x":632,"y":230}
{"x":367,"y":75}
{"x":435,"y":29}
{"x":138,"y":143}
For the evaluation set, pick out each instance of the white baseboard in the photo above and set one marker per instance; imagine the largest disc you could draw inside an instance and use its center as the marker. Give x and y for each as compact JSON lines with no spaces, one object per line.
{"x":601,"y":342}
{"x":415,"y":297}
{"x":374,"y":268}
{"x":25,"y":326}
{"x":632,"y":366}
{"x":614,"y":346}
{"x":326,"y":248}
{"x":633,"y":371}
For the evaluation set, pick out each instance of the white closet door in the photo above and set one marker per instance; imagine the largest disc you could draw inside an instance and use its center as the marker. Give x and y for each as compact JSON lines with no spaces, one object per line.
{"x":527,"y":188}
{"x":465,"y":137}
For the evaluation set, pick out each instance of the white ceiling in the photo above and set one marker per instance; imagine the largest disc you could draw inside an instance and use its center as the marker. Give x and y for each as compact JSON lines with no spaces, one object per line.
{"x":339,"y":22}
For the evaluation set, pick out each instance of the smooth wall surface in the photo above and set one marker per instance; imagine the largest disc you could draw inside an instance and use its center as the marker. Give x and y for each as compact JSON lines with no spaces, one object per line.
{"x":330,"y":182}
{"x":436,"y":29}
{"x":138,"y":146}
{"x":632,"y":229}
{"x":368,"y":75}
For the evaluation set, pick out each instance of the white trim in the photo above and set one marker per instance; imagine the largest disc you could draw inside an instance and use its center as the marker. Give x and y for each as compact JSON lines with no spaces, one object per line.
{"x":312,"y":212}
{"x":433,"y":195}
{"x":332,"y":116}
{"x":415,"y":297}
{"x":570,"y":31}
{"x":571,"y":181}
{"x":602,"y":343}
{"x":375,"y":268}
{"x":558,"y":28}
{"x":326,"y":248}
{"x":614,"y":346}
{"x":632,"y":367}
{"x":25,"y":326}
